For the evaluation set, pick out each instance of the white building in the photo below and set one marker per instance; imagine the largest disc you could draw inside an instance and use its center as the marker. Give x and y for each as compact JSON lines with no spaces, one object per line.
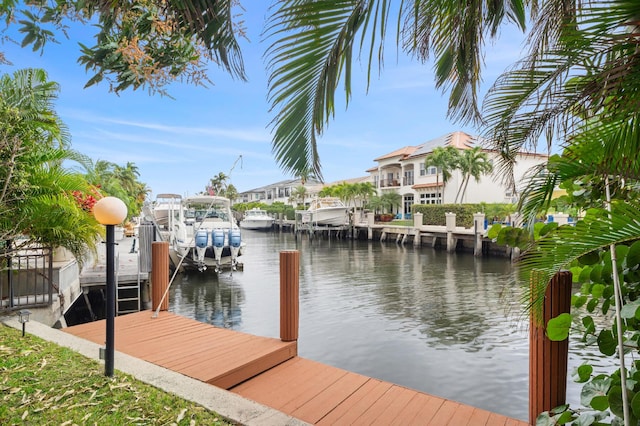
{"x":404,"y":171}
{"x":279,"y":191}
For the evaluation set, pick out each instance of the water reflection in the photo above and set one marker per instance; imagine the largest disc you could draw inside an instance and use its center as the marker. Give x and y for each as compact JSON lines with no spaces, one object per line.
{"x":209,"y":299}
{"x":446,"y":324}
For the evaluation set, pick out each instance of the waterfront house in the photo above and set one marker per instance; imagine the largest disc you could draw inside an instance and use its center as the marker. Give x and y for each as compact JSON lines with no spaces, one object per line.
{"x":404,"y":172}
{"x":279,"y":191}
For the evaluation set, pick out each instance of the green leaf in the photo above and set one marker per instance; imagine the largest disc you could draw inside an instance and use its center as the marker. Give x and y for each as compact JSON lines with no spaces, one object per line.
{"x":615,"y":401}
{"x":633,"y":256}
{"x":630,"y":310}
{"x":600,"y":403}
{"x":564,"y":418}
{"x":494,"y":231}
{"x":596,"y":274}
{"x":599,"y":386}
{"x":576,"y":271}
{"x":635,"y":405}
{"x":590,"y":258}
{"x":558,"y":327}
{"x":606,"y":343}
{"x":547,"y":228}
{"x":588,"y":324}
{"x":579,"y":301}
{"x":584,"y":373}
{"x":544,"y":419}
{"x":584,"y":275}
{"x":597,"y":290}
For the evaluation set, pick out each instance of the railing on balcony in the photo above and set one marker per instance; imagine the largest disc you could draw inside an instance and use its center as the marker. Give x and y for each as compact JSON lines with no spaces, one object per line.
{"x":386,"y":183}
{"x":25,"y":278}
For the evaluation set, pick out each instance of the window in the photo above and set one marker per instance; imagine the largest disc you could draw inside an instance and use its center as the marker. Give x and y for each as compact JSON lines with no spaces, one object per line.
{"x":423,"y":169}
{"x":408,"y":177}
{"x":430,"y":197}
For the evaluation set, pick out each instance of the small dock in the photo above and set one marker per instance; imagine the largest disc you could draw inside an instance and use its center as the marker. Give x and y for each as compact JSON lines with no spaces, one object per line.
{"x":268,"y":371}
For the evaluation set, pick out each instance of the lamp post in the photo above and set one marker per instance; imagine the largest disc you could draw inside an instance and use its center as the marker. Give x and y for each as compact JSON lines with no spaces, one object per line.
{"x":23,"y":318}
{"x":110,"y":211}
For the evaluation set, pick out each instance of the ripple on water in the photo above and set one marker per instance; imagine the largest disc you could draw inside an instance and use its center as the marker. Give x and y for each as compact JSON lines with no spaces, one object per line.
{"x":446,"y":324}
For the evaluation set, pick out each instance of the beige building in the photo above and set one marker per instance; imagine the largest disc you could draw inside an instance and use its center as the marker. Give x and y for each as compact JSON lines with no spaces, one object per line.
{"x":404,"y":171}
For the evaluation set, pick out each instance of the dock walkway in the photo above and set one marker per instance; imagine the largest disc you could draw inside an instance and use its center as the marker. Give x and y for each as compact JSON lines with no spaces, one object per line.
{"x":268,"y":371}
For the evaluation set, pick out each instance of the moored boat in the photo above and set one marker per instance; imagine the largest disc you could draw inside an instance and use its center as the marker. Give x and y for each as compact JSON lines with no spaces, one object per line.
{"x":203,"y":234}
{"x":326,"y":211}
{"x":256,"y":219}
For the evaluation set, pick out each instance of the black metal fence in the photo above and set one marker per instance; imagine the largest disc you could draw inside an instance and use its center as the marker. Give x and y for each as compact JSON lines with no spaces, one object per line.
{"x":25,"y":277}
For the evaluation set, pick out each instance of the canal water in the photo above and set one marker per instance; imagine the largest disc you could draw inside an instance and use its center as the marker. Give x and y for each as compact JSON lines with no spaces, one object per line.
{"x":446,"y":324}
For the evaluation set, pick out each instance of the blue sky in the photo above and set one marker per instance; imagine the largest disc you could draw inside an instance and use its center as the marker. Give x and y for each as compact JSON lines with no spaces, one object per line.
{"x":179,"y":144}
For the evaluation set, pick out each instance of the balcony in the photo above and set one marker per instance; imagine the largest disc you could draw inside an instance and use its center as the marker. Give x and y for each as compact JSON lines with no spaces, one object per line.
{"x":387,"y":183}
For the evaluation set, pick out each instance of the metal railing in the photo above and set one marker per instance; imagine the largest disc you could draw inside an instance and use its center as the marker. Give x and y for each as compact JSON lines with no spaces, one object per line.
{"x":26,"y":278}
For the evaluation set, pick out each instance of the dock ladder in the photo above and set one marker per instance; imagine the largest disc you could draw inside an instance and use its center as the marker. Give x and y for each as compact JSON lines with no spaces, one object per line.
{"x":127,"y":293}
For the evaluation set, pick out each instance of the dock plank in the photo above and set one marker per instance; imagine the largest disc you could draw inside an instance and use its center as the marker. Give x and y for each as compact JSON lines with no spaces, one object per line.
{"x":268,"y":371}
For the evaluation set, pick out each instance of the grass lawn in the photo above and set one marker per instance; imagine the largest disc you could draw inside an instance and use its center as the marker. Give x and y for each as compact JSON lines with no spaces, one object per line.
{"x":43,"y":383}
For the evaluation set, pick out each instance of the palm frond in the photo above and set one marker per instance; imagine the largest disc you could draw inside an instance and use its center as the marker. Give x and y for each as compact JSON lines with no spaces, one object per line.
{"x":597,"y":230}
{"x":590,"y":69}
{"x":312,"y":53}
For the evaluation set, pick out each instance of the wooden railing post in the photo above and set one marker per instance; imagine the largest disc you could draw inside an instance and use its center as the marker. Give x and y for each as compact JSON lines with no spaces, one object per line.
{"x":289,"y":294}
{"x":548,"y":359}
{"x":159,"y":274}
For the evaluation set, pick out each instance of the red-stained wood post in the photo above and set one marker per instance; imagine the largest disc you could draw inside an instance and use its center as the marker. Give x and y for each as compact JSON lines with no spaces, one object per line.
{"x":548,"y":359}
{"x":159,"y":274}
{"x":289,"y":294}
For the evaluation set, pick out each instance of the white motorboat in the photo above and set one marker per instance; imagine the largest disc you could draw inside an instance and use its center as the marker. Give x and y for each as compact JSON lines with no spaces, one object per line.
{"x":256,"y":218}
{"x":164,"y":205}
{"x":204,"y":234}
{"x":326,"y":211}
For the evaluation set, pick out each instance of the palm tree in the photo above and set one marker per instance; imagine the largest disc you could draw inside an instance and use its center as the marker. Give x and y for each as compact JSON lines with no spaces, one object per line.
{"x":445,"y":160}
{"x":305,"y":74}
{"x":217,"y":184}
{"x":390,"y":200}
{"x":363,"y":192}
{"x":472,"y":163}
{"x":31,"y":97}
{"x":231,"y":192}
{"x":37,"y":196}
{"x":299,"y":194}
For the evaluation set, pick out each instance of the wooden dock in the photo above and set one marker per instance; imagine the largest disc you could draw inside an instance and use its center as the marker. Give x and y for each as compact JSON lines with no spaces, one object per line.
{"x":268,"y":371}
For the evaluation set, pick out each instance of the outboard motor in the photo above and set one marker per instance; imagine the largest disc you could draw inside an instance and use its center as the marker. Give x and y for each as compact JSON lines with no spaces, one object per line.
{"x":234,"y":241}
{"x":201,"y":247}
{"x":218,"y":244}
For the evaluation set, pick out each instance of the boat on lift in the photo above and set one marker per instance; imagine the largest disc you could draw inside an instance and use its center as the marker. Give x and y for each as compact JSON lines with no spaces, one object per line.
{"x":256,"y":219}
{"x":164,"y":206}
{"x":204,"y":234}
{"x":325,"y":211}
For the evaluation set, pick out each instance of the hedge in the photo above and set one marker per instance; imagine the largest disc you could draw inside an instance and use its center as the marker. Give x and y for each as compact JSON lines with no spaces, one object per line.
{"x":434,"y":214}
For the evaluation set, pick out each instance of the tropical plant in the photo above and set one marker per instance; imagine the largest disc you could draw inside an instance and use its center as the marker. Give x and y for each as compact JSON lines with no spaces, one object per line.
{"x":299,"y":194}
{"x":139,"y":44}
{"x":38,"y":198}
{"x":601,"y":251}
{"x":217,"y":184}
{"x":472,"y":163}
{"x":116,"y":181}
{"x":230,"y":192}
{"x":445,"y":159}
{"x":314,"y":43}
